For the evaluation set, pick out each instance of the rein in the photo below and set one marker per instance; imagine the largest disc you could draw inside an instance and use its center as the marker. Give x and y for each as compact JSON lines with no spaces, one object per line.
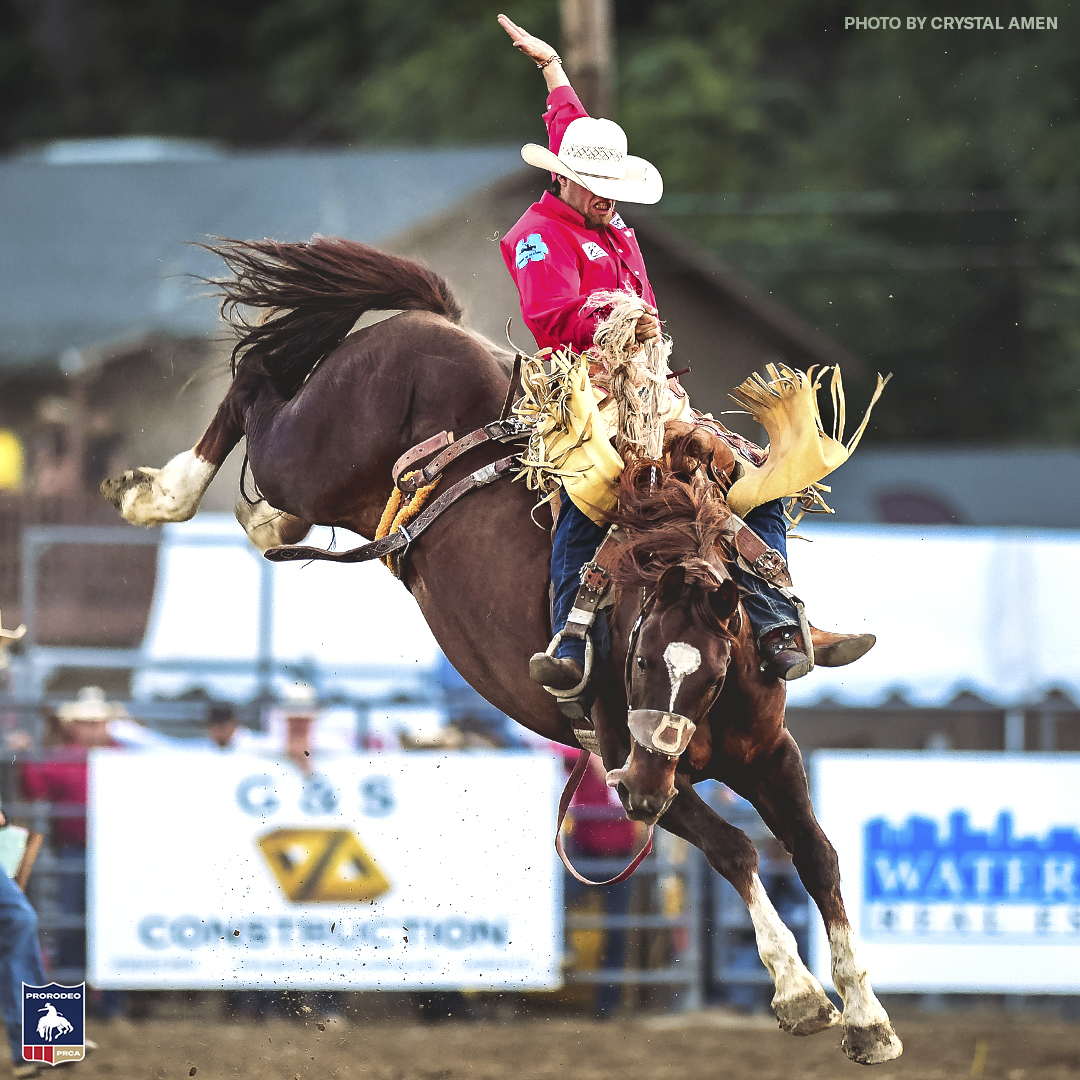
{"x":572,"y":784}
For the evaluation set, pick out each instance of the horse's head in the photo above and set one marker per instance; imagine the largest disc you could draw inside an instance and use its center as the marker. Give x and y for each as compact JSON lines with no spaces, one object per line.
{"x":673,"y":575}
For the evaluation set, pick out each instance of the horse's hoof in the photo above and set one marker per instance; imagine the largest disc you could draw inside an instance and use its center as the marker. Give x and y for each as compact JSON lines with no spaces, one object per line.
{"x":871,"y":1045}
{"x":806,"y":1014}
{"x":114,"y":488}
{"x":122,"y":491}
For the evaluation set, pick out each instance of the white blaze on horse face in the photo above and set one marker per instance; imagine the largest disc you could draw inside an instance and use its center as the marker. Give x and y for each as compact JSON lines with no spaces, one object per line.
{"x":778,"y":951}
{"x":682,"y":660}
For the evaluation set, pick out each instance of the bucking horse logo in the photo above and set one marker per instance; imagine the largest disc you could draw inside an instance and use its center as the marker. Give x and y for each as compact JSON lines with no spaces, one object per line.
{"x":52,"y":1024}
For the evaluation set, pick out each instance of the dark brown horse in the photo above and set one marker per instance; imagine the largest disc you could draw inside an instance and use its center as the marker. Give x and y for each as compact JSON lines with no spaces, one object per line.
{"x":327,"y":412}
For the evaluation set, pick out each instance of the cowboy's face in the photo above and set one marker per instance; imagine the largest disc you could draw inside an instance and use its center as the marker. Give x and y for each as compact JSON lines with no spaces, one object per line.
{"x":596,"y":211}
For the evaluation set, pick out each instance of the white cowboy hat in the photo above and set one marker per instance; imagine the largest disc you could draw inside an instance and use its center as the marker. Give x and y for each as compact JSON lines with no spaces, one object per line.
{"x":10,"y":635}
{"x":593,"y":154}
{"x":90,"y":704}
{"x":300,"y":698}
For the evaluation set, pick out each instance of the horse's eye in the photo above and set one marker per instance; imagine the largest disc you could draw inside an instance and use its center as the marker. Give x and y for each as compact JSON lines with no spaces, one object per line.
{"x":641,"y":663}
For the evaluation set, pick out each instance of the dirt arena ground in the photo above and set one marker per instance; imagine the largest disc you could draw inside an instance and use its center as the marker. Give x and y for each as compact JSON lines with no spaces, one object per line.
{"x":710,"y":1044}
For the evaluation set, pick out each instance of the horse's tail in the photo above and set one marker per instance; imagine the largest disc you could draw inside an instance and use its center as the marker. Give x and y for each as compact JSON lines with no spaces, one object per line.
{"x":311,"y":295}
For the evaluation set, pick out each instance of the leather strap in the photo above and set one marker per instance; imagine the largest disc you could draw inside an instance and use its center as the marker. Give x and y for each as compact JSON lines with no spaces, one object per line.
{"x":569,"y":791}
{"x":404,"y":536}
{"x":499,"y":431}
{"x":512,"y":389}
{"x":421,"y":451}
{"x":761,"y":560}
{"x":595,"y":584}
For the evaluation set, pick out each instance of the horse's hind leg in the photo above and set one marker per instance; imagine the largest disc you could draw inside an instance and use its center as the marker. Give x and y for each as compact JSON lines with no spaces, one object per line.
{"x":780,"y":795}
{"x":801,"y":1005}
{"x":146,"y":496}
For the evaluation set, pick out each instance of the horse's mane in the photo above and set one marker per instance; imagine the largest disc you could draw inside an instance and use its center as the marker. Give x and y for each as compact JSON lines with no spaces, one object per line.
{"x":674,"y":516}
{"x":311,"y":296}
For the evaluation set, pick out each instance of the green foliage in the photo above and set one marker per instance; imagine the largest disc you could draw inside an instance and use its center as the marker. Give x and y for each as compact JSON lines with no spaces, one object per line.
{"x":976,"y":313}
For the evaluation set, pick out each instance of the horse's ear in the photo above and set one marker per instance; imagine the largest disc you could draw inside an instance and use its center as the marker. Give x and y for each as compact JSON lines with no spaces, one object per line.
{"x":670,"y":586}
{"x":725,"y":600}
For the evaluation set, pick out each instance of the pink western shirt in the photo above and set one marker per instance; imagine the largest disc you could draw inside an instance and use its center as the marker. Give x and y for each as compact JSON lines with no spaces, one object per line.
{"x":557,"y":263}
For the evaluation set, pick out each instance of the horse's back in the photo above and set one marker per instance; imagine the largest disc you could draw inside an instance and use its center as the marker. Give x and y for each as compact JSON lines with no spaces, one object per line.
{"x":387,"y":386}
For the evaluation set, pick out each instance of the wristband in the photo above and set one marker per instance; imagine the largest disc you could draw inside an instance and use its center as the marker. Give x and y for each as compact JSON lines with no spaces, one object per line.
{"x":550,"y":60}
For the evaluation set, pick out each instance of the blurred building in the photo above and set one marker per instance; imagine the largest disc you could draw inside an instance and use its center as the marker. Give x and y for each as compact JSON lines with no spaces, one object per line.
{"x":112,"y":352}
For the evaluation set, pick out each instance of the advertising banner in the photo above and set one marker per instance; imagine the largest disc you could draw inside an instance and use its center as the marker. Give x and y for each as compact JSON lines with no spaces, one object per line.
{"x":392,"y":871}
{"x":960,"y":871}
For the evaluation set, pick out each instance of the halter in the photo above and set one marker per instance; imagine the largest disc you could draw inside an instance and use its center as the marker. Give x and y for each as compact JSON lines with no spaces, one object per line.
{"x":656,"y":730}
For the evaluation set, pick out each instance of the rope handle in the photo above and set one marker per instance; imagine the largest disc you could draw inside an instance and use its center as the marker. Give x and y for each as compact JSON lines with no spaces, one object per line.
{"x":572,"y":784}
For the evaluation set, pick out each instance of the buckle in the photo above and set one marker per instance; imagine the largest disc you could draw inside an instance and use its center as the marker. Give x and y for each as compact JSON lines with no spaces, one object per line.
{"x":595,"y":578}
{"x":769,"y":563}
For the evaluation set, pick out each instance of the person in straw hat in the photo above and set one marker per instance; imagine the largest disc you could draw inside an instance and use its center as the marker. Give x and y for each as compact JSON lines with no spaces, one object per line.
{"x":567,"y":254}
{"x":20,"y":953}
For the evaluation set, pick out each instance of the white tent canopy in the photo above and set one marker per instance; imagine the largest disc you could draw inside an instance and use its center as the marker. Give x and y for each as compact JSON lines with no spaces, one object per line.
{"x":354,"y":628}
{"x":986,"y":611}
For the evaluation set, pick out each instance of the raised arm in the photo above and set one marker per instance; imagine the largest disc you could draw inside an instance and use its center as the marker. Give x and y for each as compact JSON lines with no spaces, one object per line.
{"x":539,"y":52}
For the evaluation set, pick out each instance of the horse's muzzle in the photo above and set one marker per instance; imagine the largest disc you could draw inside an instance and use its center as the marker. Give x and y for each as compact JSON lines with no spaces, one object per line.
{"x":660,"y":731}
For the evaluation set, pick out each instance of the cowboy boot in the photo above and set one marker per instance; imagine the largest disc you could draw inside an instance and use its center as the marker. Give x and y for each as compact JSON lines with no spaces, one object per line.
{"x":558,"y":673}
{"x":782,"y":655}
{"x":836,"y":650}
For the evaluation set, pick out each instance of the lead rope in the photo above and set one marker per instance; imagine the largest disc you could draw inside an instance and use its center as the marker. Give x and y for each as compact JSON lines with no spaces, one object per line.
{"x":572,"y":784}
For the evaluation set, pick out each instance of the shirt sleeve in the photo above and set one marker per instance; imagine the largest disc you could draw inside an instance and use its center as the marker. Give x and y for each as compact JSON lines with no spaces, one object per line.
{"x":551,"y":300}
{"x":563,"y":105}
{"x":35,"y":783}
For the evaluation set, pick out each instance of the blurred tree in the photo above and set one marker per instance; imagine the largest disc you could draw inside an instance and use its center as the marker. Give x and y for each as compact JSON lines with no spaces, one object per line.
{"x":974,"y":311}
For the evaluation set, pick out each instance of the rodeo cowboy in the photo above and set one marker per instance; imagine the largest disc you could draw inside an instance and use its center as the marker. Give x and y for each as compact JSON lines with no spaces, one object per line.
{"x":566,"y":248}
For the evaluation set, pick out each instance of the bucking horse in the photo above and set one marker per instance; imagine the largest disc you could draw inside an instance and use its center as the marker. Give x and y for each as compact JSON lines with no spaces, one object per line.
{"x":327,"y":411}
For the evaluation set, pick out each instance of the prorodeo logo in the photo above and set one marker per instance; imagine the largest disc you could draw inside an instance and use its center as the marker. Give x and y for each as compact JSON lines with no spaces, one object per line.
{"x":314,"y":865}
{"x":53,"y":1021}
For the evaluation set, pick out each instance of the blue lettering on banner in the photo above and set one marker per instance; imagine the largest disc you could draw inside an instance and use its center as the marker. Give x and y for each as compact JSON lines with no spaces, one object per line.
{"x":318,"y":796}
{"x":531,"y":249}
{"x":255,"y":795}
{"x":376,"y":797}
{"x":970,"y":866}
{"x":969,"y":884}
{"x":185,"y":932}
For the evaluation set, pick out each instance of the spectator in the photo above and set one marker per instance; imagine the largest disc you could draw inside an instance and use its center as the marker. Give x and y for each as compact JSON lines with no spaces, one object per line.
{"x":81,"y":725}
{"x":223,"y":730}
{"x":20,"y":962}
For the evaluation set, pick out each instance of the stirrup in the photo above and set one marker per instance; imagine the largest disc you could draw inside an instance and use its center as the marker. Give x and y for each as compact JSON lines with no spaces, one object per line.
{"x":576,"y":702}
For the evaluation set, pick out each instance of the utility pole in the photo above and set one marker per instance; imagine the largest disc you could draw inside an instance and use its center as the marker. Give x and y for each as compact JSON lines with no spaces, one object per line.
{"x":588,"y":30}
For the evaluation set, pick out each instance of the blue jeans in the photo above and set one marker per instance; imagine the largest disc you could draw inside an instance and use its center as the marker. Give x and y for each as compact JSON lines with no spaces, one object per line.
{"x":764,"y":606}
{"x":20,"y":959}
{"x":576,"y":541}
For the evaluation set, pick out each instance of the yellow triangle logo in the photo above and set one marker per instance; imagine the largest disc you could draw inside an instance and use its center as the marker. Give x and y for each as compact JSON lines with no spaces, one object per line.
{"x":313,"y":865}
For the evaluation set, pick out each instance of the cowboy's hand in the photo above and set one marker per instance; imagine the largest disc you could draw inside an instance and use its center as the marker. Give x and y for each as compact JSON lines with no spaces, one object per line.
{"x":536,"y":50}
{"x":647,"y":329}
{"x":3,"y":820}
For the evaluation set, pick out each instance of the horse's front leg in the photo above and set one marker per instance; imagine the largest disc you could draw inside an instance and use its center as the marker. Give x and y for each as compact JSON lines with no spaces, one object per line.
{"x":801,"y":1005}
{"x":779,"y":792}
